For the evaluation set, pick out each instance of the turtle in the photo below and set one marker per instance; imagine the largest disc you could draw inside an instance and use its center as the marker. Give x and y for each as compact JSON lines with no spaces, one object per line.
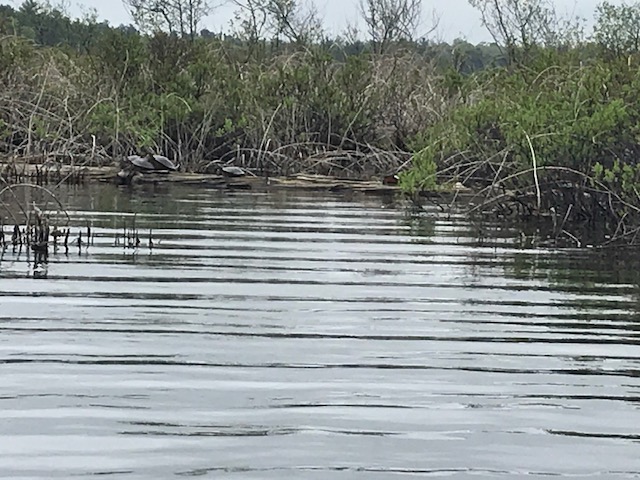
{"x":392,"y":179}
{"x":232,"y":171}
{"x":150,"y":163}
{"x":162,"y":163}
{"x":141,"y":164}
{"x":216,"y":166}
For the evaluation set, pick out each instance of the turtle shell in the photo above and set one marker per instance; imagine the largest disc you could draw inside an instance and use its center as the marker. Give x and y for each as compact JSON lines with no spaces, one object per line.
{"x":163,"y":163}
{"x":141,"y":163}
{"x":232,"y":171}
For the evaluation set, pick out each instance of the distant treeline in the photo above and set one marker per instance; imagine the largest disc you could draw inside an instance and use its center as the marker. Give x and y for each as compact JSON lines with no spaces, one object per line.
{"x":51,"y":26}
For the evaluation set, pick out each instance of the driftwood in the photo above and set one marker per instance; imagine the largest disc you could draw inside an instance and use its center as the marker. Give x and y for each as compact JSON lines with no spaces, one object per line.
{"x":13,"y":173}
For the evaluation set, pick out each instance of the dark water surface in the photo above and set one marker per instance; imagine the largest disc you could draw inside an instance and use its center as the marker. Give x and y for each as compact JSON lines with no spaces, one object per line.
{"x":314,"y":336}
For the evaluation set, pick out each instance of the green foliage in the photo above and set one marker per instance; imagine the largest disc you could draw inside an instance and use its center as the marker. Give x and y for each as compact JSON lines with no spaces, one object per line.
{"x":617,"y":28}
{"x":575,"y":117}
{"x":422,"y":177}
{"x":620,"y":177}
{"x":119,"y":57}
{"x":14,"y":52}
{"x":200,"y":98}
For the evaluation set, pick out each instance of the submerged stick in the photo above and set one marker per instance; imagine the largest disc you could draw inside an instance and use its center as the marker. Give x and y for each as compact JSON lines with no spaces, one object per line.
{"x":15,"y":236}
{"x":564,"y":220}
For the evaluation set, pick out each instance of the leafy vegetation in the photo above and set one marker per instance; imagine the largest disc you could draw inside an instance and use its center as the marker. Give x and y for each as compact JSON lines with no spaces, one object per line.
{"x":555,"y":133}
{"x":283,"y":99}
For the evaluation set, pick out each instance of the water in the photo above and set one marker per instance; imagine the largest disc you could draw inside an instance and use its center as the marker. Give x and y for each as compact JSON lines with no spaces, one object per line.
{"x":313,"y":336}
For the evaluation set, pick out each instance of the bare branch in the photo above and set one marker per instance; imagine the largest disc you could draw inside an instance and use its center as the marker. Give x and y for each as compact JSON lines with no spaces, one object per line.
{"x":181,"y":17}
{"x":390,"y":21}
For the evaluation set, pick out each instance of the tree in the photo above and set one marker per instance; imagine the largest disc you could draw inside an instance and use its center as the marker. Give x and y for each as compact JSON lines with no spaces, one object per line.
{"x":181,"y":17}
{"x":250,"y":20}
{"x":282,"y":19}
{"x":294,"y":21}
{"x":517,"y":25}
{"x":390,"y":21}
{"x":617,"y":28}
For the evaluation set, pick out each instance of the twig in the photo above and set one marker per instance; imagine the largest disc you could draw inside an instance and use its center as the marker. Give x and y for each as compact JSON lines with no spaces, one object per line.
{"x":573,"y":237}
{"x":535,"y":170}
{"x":36,"y":187}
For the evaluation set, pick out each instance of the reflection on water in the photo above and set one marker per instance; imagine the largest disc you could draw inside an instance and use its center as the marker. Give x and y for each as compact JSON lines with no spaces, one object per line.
{"x":313,"y":336}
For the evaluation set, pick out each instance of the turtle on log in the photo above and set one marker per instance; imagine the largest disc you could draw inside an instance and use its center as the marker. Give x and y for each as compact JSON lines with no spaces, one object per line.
{"x":232,"y":171}
{"x":134,"y":165}
{"x":227,"y":170}
{"x":163,"y":163}
{"x":150,"y":163}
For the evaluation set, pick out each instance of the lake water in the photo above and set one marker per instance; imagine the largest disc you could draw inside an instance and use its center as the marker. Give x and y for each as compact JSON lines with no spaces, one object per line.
{"x":313,"y":336}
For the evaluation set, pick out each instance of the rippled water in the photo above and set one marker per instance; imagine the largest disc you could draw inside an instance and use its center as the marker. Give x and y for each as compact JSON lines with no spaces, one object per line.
{"x":313,"y":336}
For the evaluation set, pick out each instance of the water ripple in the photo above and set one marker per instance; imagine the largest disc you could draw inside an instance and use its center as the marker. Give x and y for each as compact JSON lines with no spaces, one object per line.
{"x":285,"y":335}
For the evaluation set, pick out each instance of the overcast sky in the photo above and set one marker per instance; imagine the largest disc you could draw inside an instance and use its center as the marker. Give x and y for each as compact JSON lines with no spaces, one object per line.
{"x":457,"y":18}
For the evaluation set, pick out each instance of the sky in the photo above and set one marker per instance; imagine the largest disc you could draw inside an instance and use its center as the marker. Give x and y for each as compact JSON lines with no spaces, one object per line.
{"x":457,"y":19}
